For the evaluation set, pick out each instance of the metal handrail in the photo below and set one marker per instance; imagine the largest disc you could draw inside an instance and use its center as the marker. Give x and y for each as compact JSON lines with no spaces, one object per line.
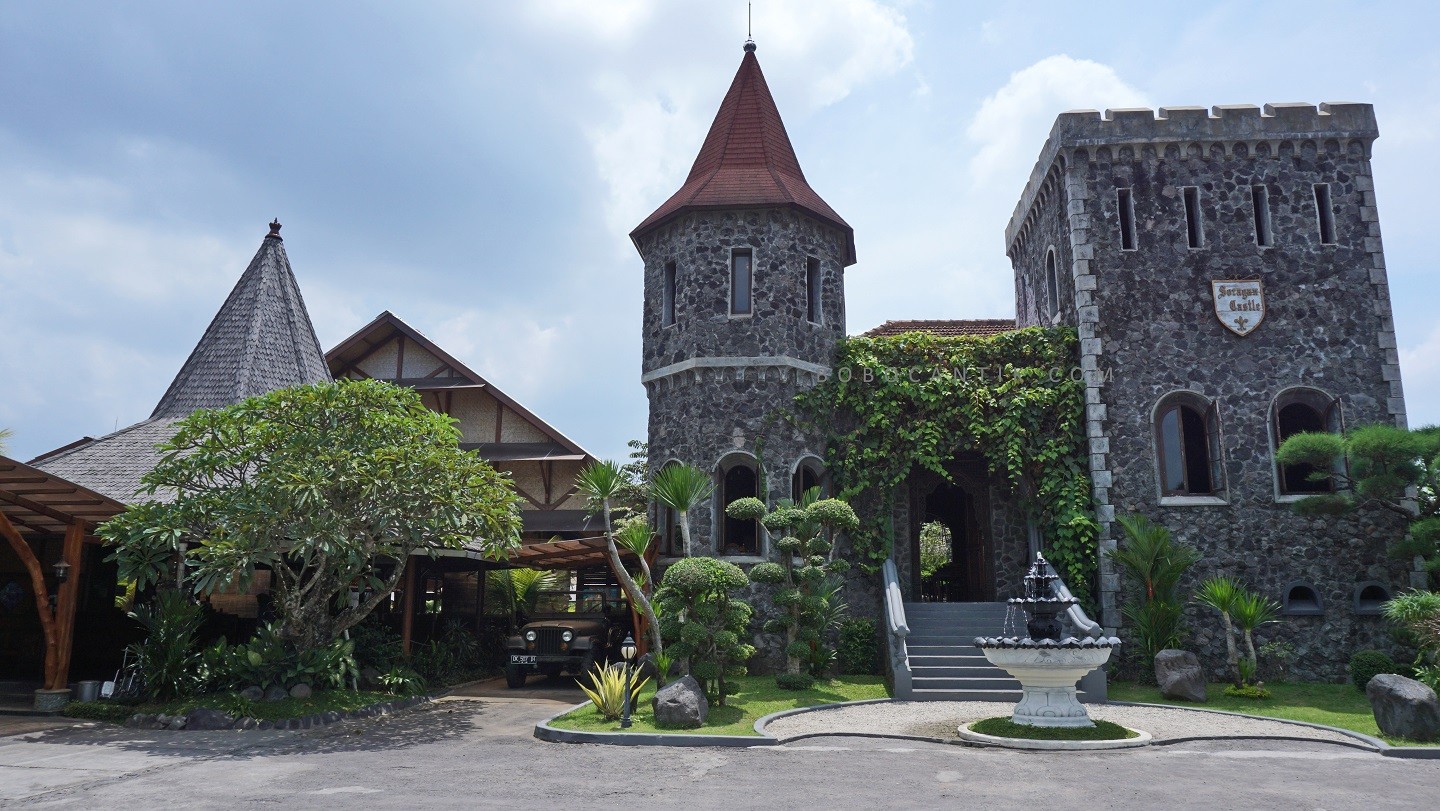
{"x":1075,"y":613}
{"x":897,"y":629}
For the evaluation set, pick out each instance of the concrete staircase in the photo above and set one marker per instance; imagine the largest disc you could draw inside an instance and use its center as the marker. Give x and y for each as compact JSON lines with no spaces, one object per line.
{"x":945,"y":665}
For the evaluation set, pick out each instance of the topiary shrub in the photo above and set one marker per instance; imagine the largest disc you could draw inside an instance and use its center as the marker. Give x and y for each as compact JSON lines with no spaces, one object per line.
{"x":1367,"y":664}
{"x":859,"y":648}
{"x":795,"y":681}
{"x":806,"y":583}
{"x":702,"y":622}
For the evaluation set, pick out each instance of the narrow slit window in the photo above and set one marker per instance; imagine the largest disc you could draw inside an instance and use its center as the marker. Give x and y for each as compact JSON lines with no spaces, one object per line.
{"x":741,"y":279}
{"x":667,"y":296}
{"x":1052,"y":285}
{"x":1126,"y":205}
{"x":812,"y":289}
{"x":1194,"y":233}
{"x":1325,"y":213}
{"x":1260,"y":200}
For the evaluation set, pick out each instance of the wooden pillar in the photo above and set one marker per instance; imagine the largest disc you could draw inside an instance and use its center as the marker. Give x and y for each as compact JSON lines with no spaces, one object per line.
{"x":42,"y":597}
{"x":407,"y":607}
{"x":67,"y":601}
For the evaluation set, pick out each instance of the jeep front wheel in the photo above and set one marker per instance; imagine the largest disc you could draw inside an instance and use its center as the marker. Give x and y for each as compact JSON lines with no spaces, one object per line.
{"x":514,"y":676}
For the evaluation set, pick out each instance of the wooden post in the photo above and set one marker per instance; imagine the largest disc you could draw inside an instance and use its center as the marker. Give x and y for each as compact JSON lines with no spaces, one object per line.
{"x":67,"y":602}
{"x":407,"y":607}
{"x":42,"y":597}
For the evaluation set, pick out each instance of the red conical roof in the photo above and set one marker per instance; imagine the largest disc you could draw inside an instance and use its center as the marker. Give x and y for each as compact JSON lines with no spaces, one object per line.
{"x":747,"y":161}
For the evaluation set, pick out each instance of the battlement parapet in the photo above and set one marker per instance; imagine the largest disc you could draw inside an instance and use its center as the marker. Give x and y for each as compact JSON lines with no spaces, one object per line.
{"x":1222,"y":123}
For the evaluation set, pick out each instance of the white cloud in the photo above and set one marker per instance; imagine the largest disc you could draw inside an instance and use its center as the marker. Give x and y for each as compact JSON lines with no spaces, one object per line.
{"x":658,"y":105}
{"x":523,"y":357}
{"x":1009,"y":127}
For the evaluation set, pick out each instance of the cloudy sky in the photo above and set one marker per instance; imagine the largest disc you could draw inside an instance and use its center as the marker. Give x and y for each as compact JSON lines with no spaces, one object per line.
{"x":475,"y":167}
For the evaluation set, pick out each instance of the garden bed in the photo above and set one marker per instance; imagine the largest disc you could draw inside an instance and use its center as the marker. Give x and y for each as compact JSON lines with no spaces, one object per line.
{"x":1336,"y":705}
{"x":758,"y":696}
{"x":318,"y":704}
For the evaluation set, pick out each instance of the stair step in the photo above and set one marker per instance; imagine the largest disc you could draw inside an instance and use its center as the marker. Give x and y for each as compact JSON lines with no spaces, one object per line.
{"x":958,"y":671}
{"x":948,"y":659}
{"x":1011,"y":696}
{"x":942,"y":683}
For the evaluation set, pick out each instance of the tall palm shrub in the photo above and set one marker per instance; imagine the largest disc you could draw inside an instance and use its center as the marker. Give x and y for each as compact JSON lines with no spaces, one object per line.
{"x":1223,"y":595}
{"x":601,"y":482}
{"x":1251,"y":611}
{"x":682,"y":488}
{"x":1155,"y":564}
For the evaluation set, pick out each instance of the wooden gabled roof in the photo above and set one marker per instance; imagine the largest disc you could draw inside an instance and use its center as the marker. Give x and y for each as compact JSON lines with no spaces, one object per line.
{"x":747,"y":161}
{"x":349,"y":352}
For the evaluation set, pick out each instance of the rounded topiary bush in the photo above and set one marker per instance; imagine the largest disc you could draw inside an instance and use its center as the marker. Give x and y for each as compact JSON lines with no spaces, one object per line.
{"x":795,"y":681}
{"x":1367,"y":664}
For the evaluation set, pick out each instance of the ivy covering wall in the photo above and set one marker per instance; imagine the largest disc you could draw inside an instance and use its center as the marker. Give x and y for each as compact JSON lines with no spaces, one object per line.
{"x":917,"y":400}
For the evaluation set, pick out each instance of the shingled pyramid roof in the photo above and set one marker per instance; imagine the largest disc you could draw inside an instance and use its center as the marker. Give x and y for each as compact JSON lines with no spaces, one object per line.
{"x":260,"y":340}
{"x":747,"y":161}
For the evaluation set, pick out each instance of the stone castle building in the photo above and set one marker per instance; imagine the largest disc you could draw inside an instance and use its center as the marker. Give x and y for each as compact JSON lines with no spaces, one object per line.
{"x":1223,"y":268}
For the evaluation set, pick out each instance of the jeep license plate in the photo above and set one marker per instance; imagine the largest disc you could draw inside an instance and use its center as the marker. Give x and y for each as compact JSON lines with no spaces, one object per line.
{"x":522,"y":659}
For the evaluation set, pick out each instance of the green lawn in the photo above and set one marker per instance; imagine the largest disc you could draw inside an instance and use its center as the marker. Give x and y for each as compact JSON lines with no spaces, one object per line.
{"x":318,"y":702}
{"x":1336,"y":705}
{"x":757,"y":698}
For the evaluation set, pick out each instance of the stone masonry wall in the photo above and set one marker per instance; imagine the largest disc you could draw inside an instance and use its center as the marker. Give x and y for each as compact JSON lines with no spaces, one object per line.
{"x":1154,"y":331}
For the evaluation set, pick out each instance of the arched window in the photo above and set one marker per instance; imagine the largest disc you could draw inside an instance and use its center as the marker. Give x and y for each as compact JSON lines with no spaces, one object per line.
{"x":1302,"y":600}
{"x":1187,"y":446}
{"x":738,"y":479}
{"x":672,"y":540}
{"x":808,"y":474}
{"x":1297,"y":411}
{"x":1052,"y":286}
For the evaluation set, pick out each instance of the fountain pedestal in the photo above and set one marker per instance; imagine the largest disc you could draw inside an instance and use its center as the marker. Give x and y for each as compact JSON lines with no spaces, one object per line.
{"x":1047,"y":673}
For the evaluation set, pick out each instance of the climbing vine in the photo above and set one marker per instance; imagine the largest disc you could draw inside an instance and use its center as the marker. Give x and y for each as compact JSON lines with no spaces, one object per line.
{"x":916,"y":400}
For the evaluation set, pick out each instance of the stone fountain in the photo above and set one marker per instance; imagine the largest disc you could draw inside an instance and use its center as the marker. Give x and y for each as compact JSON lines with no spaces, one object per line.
{"x":1045,"y":661}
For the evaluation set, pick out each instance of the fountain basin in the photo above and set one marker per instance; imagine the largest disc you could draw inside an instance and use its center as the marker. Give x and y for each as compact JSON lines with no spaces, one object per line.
{"x":1047,"y":670}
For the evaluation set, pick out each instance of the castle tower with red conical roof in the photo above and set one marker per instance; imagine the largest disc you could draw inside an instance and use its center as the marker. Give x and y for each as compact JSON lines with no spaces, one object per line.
{"x":744,"y":304}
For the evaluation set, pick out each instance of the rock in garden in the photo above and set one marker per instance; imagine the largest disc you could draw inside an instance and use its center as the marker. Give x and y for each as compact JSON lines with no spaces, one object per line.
{"x":300,"y":691}
{"x":206,"y":718}
{"x":681,"y":704}
{"x":177,"y":722}
{"x":645,"y":668}
{"x":1179,"y":675}
{"x":1404,"y":708}
{"x":252,"y":693}
{"x":369,"y":678}
{"x":276,"y":693}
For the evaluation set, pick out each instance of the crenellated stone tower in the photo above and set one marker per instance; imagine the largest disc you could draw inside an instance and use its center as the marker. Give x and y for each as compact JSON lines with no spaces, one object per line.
{"x":1224,"y":270}
{"x":744,"y":305}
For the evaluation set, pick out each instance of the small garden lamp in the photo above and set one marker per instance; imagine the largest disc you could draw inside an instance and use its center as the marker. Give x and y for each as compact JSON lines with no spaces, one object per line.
{"x":62,"y":570}
{"x":627,"y":650}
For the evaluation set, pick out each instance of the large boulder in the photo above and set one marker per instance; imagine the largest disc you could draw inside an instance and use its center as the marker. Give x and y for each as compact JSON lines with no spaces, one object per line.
{"x":276,"y":692}
{"x":1180,"y":676}
{"x":300,"y":691}
{"x":1404,"y":708}
{"x":252,"y":693}
{"x":206,"y":718}
{"x":681,"y":704}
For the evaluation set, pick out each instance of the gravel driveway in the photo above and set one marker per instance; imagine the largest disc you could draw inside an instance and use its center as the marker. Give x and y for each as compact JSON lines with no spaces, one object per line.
{"x":938,"y":719}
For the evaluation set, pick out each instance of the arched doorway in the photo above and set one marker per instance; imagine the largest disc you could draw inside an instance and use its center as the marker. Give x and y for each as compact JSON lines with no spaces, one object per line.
{"x":966,"y":577}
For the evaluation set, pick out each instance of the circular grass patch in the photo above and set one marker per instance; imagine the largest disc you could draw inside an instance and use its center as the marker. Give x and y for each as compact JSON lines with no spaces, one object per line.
{"x":1003,"y":727}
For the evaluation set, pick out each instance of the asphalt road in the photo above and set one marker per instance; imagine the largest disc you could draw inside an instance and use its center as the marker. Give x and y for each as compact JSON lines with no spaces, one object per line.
{"x":477,"y":751}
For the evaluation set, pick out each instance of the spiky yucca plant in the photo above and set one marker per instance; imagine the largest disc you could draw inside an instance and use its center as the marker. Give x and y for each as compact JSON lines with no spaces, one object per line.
{"x":608,"y":690}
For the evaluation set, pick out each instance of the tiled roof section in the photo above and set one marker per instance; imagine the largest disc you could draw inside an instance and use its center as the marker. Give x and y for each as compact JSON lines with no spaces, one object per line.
{"x":981,"y":327}
{"x":112,"y":465}
{"x":747,"y":160}
{"x":259,"y":341}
